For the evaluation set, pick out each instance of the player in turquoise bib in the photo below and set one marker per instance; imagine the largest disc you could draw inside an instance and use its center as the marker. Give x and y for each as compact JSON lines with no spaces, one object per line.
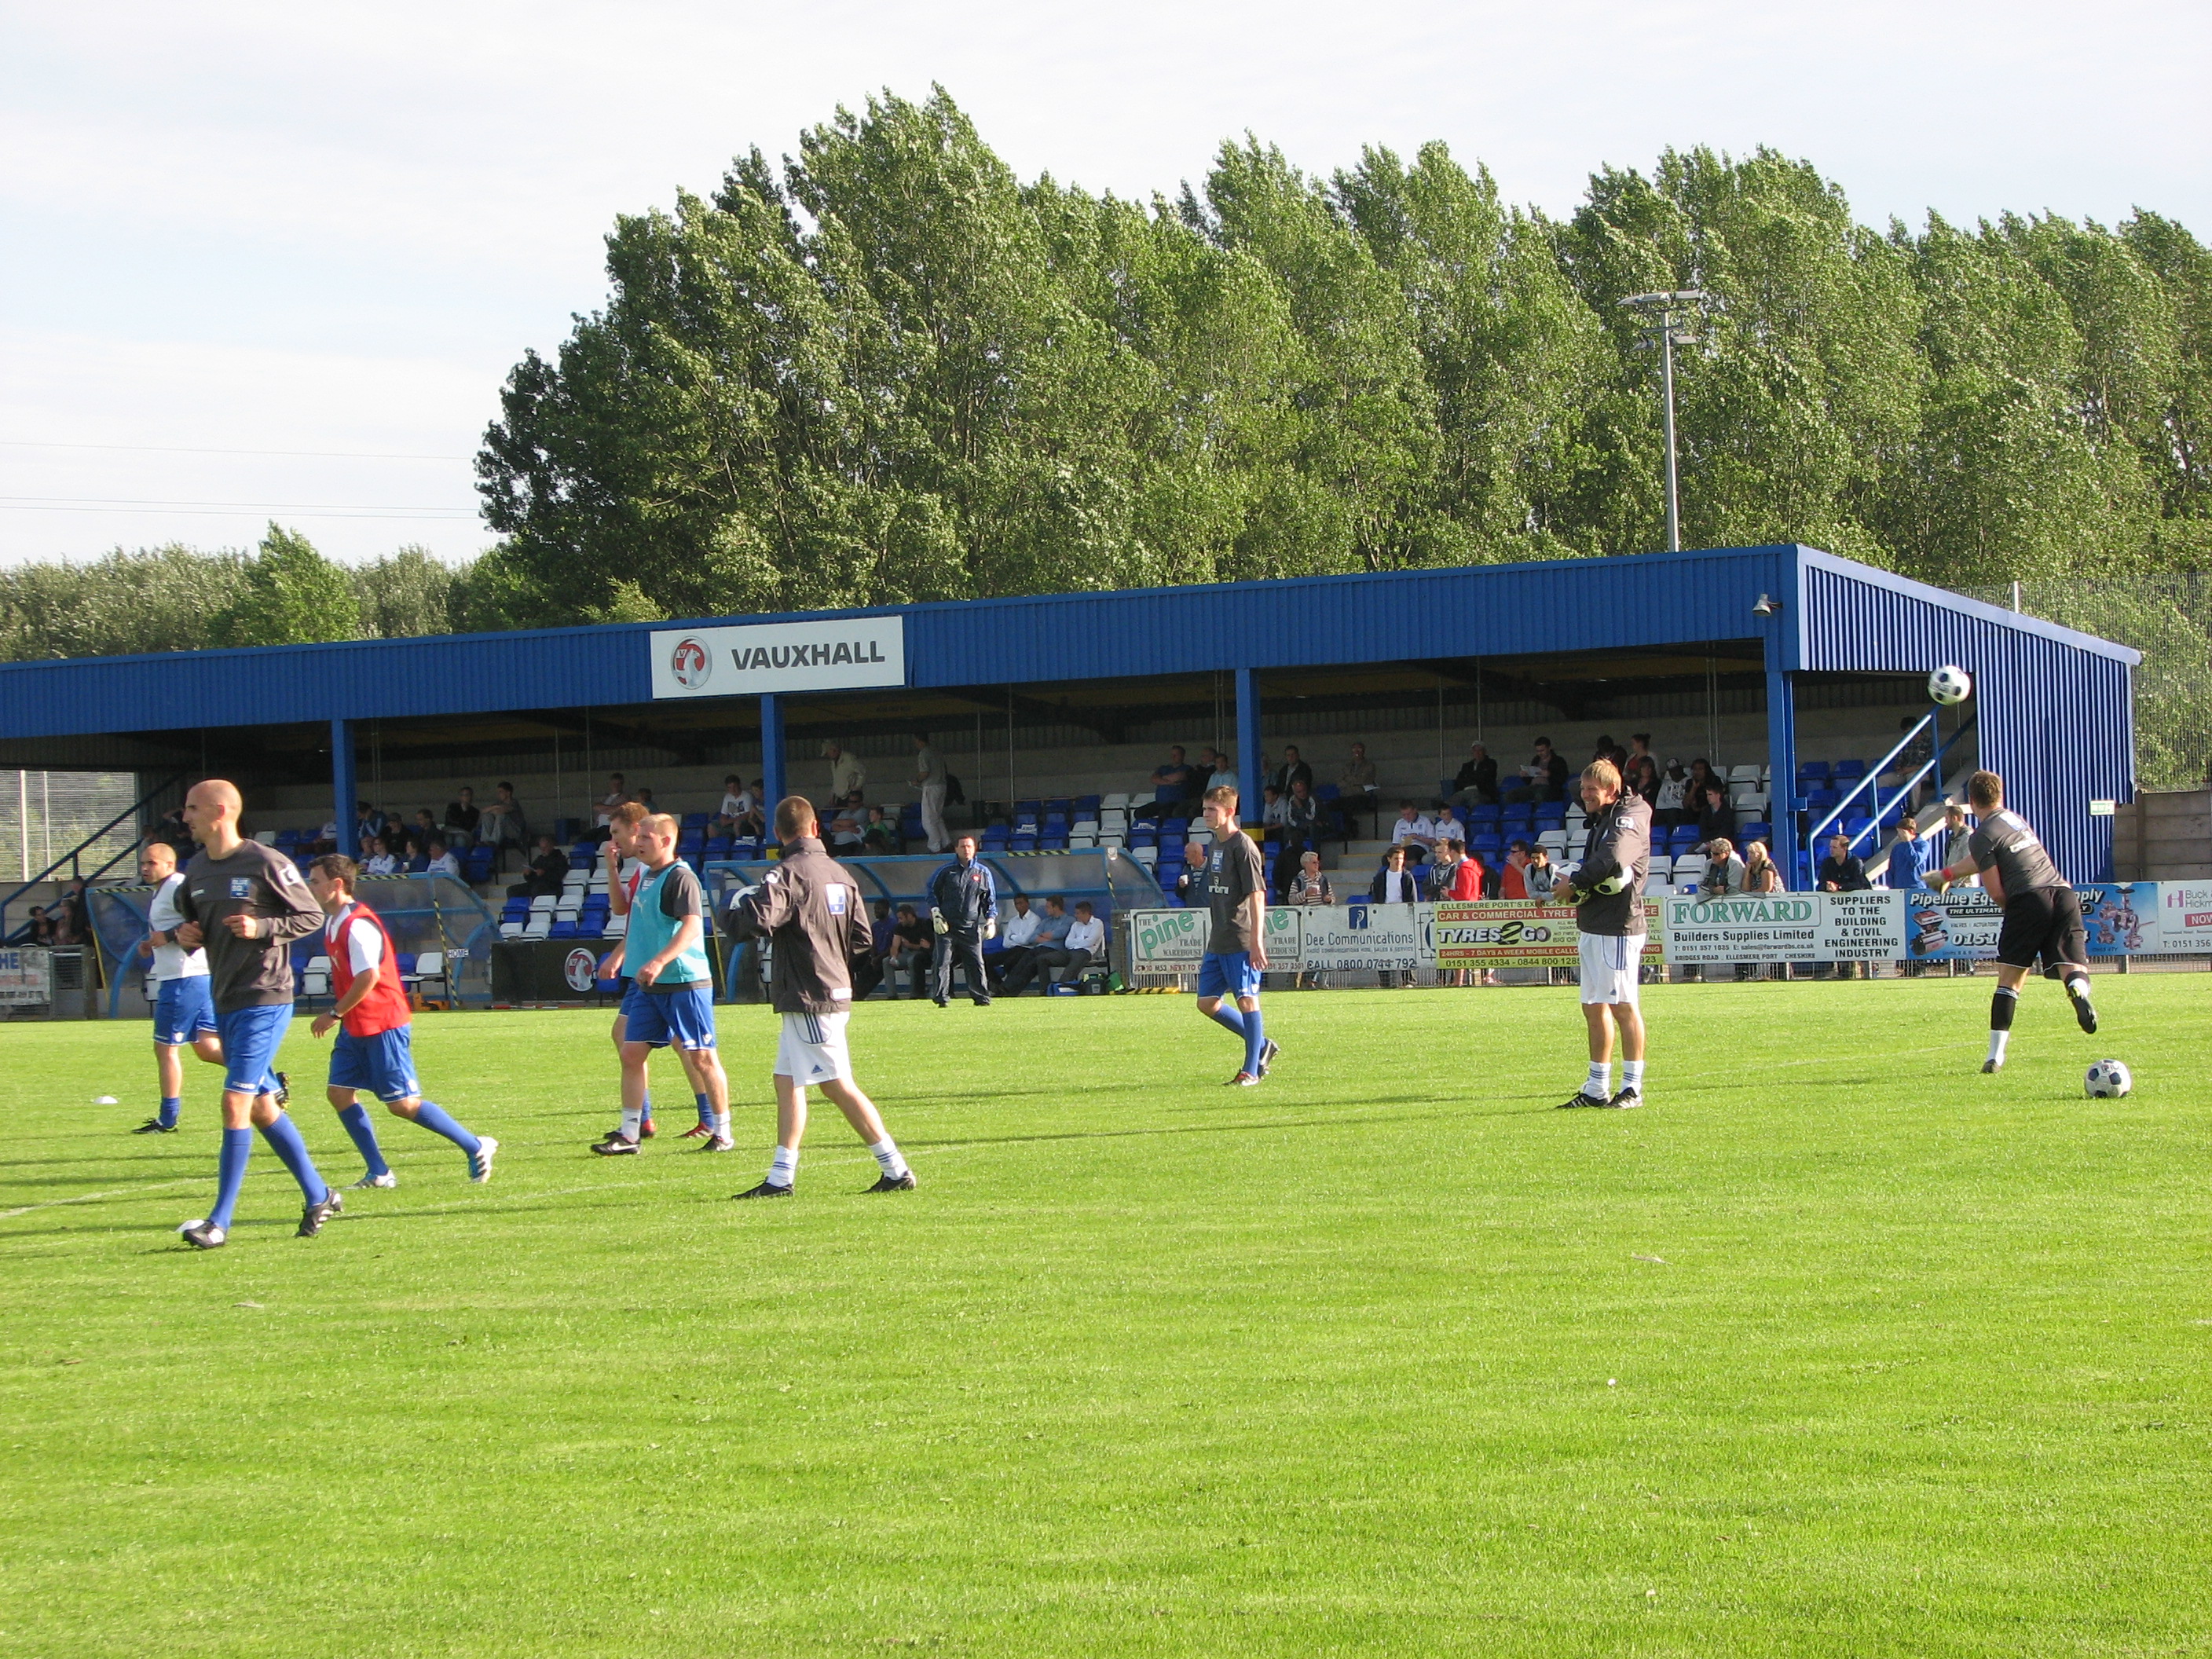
{"x":670,"y":1001}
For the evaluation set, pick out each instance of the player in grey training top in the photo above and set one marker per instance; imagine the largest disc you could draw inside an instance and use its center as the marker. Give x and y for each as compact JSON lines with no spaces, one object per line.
{"x":2042,"y":913}
{"x":1609,"y":889}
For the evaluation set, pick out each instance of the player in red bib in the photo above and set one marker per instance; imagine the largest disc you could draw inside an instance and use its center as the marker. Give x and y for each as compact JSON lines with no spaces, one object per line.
{"x":375,"y":1048}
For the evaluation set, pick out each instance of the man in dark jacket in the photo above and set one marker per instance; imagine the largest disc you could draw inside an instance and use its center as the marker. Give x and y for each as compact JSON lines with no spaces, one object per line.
{"x":810,"y":907}
{"x":1608,"y":888}
{"x":1476,"y":783}
{"x":1840,"y":872}
{"x":547,"y":874}
{"x":964,"y":908}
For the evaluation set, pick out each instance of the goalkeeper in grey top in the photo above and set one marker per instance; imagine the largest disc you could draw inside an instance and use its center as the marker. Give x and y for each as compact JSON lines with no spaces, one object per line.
{"x":2042,"y":912}
{"x":1607,"y":887}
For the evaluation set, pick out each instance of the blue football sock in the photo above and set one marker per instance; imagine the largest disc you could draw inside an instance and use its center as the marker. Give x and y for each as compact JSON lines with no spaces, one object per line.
{"x":171,"y":1107}
{"x":431,"y":1116}
{"x":706,"y":1112}
{"x":1255,"y":1038}
{"x":355,"y":1118}
{"x":230,"y":1174}
{"x":1226,"y":1014}
{"x":645,"y":1107}
{"x":283,"y":1138}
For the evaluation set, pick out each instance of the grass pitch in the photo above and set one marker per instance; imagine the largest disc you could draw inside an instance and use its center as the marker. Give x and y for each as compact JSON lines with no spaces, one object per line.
{"x":1837,"y":1347}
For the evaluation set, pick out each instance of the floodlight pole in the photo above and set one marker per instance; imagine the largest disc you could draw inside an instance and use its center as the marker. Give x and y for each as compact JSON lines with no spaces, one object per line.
{"x":1669,"y":302}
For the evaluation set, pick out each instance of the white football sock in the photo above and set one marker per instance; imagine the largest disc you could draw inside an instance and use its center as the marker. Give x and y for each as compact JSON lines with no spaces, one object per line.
{"x":1631,"y":1075}
{"x":1599,"y":1085}
{"x":721,"y":1125}
{"x":630,"y":1119}
{"x":2077,"y":987}
{"x":1998,"y":1041}
{"x":888,"y":1158}
{"x":783,"y":1167}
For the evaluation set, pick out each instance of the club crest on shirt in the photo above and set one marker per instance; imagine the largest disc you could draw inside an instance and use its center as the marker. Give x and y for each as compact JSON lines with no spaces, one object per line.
{"x":242,"y":887}
{"x":836,"y":901}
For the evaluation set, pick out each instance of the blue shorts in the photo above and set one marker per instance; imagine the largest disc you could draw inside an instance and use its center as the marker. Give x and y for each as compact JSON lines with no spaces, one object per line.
{"x":685,"y":1018}
{"x":1228,"y":974}
{"x":251,"y":1037}
{"x":184,"y":1009}
{"x":383,"y":1064}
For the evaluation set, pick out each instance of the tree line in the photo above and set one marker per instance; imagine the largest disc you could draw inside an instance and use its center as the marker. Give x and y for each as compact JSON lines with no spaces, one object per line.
{"x":888,"y":370}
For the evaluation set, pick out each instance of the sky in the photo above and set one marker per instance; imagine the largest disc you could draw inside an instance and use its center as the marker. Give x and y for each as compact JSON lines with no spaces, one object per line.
{"x":263,"y":261}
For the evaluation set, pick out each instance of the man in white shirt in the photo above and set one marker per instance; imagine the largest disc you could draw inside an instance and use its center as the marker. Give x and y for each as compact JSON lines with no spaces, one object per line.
{"x":379,"y":862}
{"x":929,"y":778}
{"x":617,"y":792}
{"x":848,"y":777}
{"x":1414,"y":831}
{"x":442,"y":863}
{"x":176,"y":984}
{"x":1018,"y":931}
{"x":1086,"y":943}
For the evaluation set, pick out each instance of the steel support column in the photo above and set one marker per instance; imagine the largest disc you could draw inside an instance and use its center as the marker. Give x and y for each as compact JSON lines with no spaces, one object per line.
{"x":1781,"y":759}
{"x":345,"y":786}
{"x":1248,"y":744}
{"x":771,"y":715}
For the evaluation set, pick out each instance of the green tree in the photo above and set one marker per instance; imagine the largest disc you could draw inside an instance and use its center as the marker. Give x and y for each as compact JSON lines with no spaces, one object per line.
{"x":160,"y":598}
{"x":291,"y":595}
{"x":404,"y":595}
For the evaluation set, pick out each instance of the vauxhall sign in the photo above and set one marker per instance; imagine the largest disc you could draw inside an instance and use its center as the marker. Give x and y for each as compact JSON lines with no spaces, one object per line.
{"x":749,"y":659}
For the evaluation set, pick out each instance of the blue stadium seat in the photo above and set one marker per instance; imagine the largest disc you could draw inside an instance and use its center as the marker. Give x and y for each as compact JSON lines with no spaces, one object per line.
{"x":561,"y":930}
{"x":697,"y":820}
{"x":1490,"y":814}
{"x":1022,"y":844}
{"x":1848,"y":771}
{"x":1758,"y":830}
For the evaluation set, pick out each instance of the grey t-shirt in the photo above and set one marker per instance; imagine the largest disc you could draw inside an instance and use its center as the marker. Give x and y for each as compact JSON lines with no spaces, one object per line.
{"x":256,"y":881}
{"x":1232,"y":874}
{"x":2003,"y":842}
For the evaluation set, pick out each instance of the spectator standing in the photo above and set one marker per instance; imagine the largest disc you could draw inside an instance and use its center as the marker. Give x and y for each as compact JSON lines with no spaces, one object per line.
{"x":1958,"y":830}
{"x":1396,"y":883}
{"x":1908,"y":872}
{"x":964,"y":909}
{"x":1455,"y":876}
{"x":462,"y":817}
{"x":1513,"y":880}
{"x":1476,"y":783}
{"x":929,"y":778}
{"x":1544,"y":778}
{"x":1311,"y":885}
{"x":1841,"y":872}
{"x":848,"y":777}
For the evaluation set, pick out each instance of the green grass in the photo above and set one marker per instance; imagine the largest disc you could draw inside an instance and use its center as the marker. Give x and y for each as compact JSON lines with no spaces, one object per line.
{"x":1373,"y":1359}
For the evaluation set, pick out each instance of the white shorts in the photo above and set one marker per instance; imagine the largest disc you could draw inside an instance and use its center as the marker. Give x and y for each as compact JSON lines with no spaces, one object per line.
{"x":1609,"y":967}
{"x":812,"y":1049}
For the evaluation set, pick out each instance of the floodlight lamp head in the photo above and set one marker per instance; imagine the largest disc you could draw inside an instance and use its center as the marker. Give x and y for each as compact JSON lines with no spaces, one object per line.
{"x":1766,"y":605}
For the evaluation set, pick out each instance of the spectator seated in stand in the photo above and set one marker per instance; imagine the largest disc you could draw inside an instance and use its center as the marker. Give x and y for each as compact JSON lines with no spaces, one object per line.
{"x":1355,"y":784}
{"x":1085,"y":943}
{"x":421,"y":830}
{"x":1670,"y":801}
{"x":1273,"y":807}
{"x":439,"y":862}
{"x":1414,"y":833}
{"x":879,"y":837}
{"x":547,"y":872}
{"x":379,"y":862}
{"x":368,"y":825}
{"x":1018,"y":931}
{"x":849,"y":825}
{"x":913,"y":944}
{"x":1476,"y":783}
{"x":462,"y":817}
{"x":1173,"y":781}
{"x":1544,"y":778}
{"x":1292,"y":771}
{"x":1725,"y":873}
{"x":40,"y":929}
{"x":1047,"y":948}
{"x":502,"y":824}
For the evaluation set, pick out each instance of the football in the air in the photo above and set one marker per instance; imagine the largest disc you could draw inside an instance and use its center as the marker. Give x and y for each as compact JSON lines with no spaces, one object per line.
{"x":2108,"y":1079}
{"x":1949,"y":686}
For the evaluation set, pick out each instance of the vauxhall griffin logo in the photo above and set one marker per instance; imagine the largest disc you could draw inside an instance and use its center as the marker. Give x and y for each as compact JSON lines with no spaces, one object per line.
{"x":691,"y":663}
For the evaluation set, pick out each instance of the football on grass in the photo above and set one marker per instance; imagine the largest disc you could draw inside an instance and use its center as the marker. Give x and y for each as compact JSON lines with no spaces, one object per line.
{"x":1949,"y":684}
{"x":2108,"y":1079}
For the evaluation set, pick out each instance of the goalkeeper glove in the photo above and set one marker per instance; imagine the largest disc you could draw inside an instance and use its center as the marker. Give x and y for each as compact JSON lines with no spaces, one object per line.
{"x":937,"y":921}
{"x":991,"y":928}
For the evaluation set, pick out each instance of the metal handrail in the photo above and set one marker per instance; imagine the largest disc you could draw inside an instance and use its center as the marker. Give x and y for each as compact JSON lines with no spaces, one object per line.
{"x":69,"y":857}
{"x":1873,"y":782}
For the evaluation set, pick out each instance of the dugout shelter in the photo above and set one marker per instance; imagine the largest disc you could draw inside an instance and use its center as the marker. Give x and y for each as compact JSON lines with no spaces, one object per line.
{"x":1764,"y":653}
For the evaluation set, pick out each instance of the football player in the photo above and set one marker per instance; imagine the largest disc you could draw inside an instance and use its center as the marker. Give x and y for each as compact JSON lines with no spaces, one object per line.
{"x":184,"y":1011}
{"x":1608,"y":886}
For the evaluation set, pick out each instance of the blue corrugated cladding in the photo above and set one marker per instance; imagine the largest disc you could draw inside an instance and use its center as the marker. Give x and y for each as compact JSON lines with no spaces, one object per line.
{"x":1574,"y":605}
{"x":1485,"y":609}
{"x":2055,"y":718}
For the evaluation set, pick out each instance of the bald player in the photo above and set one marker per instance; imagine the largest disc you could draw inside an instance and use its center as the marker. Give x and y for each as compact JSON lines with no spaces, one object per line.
{"x":246,"y":903}
{"x":176,"y":980}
